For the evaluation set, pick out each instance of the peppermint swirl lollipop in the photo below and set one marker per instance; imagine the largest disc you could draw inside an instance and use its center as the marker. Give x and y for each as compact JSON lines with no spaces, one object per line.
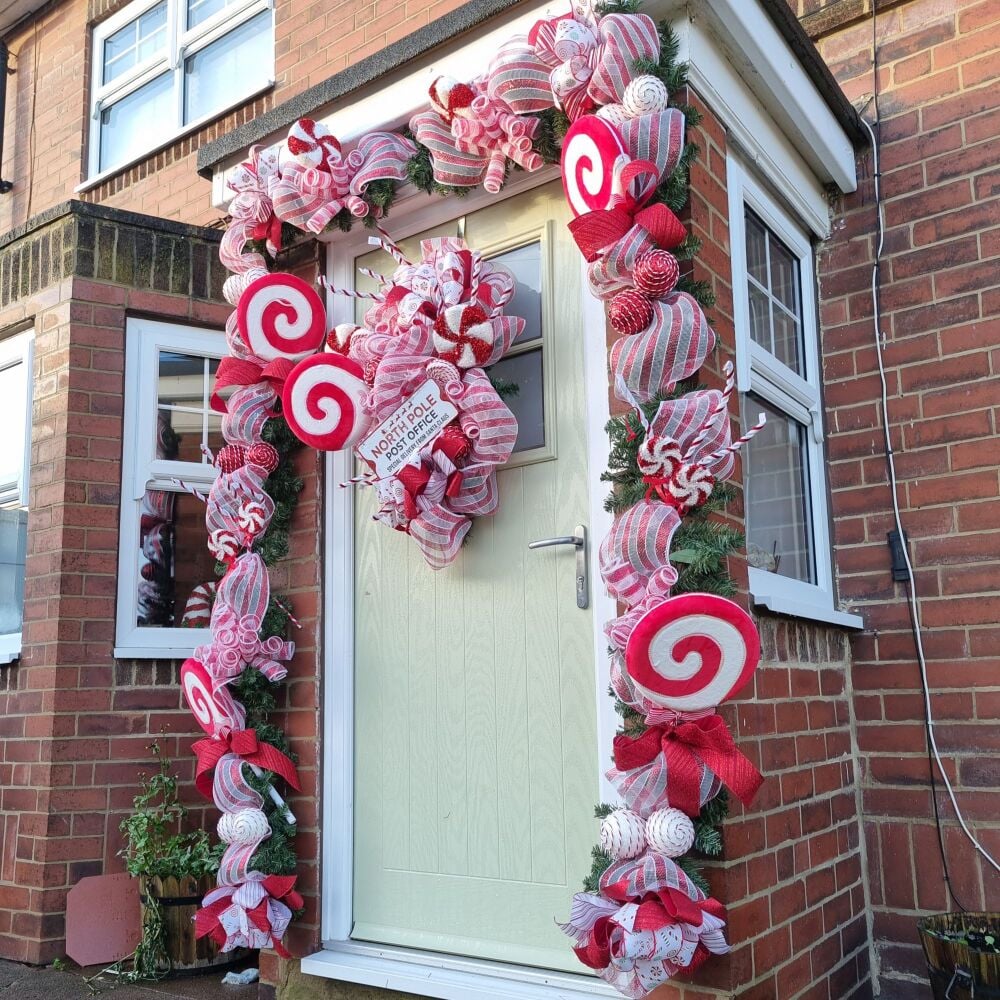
{"x":592,"y":158}
{"x":323,"y":402}
{"x":280,"y":316}
{"x":692,"y":652}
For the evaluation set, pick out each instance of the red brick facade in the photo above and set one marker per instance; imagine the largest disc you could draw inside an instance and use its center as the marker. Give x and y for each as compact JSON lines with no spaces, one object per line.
{"x":827,"y":873}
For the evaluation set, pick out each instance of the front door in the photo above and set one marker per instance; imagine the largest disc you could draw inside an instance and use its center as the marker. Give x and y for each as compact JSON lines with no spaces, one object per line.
{"x":475,"y":708}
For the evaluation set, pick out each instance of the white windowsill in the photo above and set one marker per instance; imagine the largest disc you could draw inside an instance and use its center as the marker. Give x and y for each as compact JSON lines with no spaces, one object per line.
{"x":781,"y":605}
{"x":153,"y":652}
{"x":10,"y":648}
{"x":447,"y":977}
{"x":91,"y":182}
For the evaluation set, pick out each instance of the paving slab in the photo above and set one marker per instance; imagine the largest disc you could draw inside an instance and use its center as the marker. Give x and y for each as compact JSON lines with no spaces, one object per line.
{"x":25,"y":982}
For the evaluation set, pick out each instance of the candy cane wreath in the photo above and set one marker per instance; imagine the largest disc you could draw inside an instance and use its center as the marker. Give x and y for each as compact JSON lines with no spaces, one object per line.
{"x":429,"y":332}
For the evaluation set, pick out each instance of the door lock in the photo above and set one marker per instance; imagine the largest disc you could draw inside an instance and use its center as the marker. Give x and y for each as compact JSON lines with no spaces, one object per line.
{"x":579,"y":542}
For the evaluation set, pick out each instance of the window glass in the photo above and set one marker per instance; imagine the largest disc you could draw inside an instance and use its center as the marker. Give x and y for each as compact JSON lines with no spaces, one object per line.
{"x":13,"y":548}
{"x":13,"y":419}
{"x":185,"y":420}
{"x":775,"y":295}
{"x":202,"y":10}
{"x":137,"y":122}
{"x":235,"y":65}
{"x":525,"y":263}
{"x":139,"y":40}
{"x":528,"y":404}
{"x":172,"y":558}
{"x":778,"y":516}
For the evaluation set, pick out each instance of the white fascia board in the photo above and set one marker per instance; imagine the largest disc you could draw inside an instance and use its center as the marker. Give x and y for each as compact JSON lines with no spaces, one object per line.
{"x":751,"y":126}
{"x":771,"y":69}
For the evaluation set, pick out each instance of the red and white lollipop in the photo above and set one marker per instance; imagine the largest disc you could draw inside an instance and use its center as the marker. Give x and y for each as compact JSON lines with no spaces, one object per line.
{"x":281,"y":316}
{"x":213,"y":710}
{"x":593,"y":156}
{"x":692,"y":652}
{"x":323,"y":402}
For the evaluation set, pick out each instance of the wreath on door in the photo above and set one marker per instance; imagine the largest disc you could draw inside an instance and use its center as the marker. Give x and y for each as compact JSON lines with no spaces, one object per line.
{"x":594,"y":89}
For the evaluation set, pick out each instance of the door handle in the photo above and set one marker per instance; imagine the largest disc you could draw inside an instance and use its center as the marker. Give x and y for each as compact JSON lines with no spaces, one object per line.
{"x":579,"y":542}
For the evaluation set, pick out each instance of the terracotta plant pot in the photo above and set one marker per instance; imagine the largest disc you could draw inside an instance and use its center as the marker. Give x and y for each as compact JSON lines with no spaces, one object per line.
{"x":959,"y":970}
{"x":179,"y":900}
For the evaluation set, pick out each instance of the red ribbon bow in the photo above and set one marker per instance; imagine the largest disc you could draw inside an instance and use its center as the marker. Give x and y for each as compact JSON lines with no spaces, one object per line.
{"x":242,"y":372}
{"x":686,"y":746}
{"x":593,"y":231}
{"x":656,"y":910}
{"x":207,"y":921}
{"x":269,"y":231}
{"x":244,"y":743}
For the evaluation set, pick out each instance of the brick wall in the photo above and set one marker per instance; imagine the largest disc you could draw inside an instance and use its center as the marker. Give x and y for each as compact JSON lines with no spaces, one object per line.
{"x":47,"y":120}
{"x":940,"y":106}
{"x":75,"y":726}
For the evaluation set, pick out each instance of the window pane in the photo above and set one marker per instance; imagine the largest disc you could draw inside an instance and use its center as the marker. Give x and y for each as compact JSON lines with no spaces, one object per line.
{"x":228,"y":69}
{"x":525,"y":372}
{"x":13,"y":547}
{"x":778,"y":516}
{"x":181,"y":380}
{"x":784,"y":276}
{"x":138,"y":41}
{"x":786,"y":340}
{"x":137,"y":123}
{"x":760,"y":317}
{"x":182,"y":431}
{"x":525,"y":264}
{"x":172,"y":557}
{"x":202,"y":10}
{"x":756,"y":248}
{"x":13,"y":414}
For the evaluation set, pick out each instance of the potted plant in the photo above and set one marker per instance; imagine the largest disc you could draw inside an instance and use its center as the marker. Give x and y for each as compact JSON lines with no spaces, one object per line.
{"x":963,"y":954}
{"x":175,"y":871}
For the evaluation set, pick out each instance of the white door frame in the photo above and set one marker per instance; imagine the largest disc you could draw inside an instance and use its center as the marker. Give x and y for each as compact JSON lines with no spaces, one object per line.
{"x":436,"y":975}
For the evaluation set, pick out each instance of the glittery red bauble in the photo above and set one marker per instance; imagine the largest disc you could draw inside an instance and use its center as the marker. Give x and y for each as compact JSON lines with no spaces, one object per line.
{"x":231,"y":457}
{"x":265,"y":456}
{"x":656,"y":273}
{"x":454,"y":443}
{"x":148,"y":571}
{"x":630,"y":312}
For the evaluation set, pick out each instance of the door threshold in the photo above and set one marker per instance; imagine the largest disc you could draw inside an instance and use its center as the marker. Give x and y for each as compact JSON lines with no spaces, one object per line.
{"x":446,"y":977}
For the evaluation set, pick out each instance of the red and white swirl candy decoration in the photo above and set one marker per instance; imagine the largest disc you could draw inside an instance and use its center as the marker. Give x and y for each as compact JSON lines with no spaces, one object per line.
{"x":280,"y":316}
{"x":324,"y":402}
{"x":213,"y":709}
{"x":593,"y":156}
{"x":223,"y":544}
{"x":692,"y":652}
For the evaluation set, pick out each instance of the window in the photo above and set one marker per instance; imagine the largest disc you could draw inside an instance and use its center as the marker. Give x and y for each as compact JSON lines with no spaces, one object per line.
{"x":164,"y":564}
{"x":15,"y":462}
{"x":162,"y":68}
{"x":788,"y":539}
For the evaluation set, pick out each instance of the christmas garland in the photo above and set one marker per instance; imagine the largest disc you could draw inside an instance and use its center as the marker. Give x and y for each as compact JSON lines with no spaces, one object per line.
{"x":591,"y":90}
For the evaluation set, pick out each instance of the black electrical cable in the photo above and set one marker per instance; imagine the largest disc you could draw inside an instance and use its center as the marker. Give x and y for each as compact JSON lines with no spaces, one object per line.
{"x":877,"y":306}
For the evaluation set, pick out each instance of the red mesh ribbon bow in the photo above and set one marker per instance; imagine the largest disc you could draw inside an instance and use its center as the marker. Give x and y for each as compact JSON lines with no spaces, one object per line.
{"x":685,"y":746}
{"x":252,"y":915}
{"x":243,"y":372}
{"x":245,"y":744}
{"x":602,"y":228}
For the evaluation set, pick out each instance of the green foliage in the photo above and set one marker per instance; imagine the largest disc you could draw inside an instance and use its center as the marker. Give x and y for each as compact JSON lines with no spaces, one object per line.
{"x":153,"y":845}
{"x":553,"y":123}
{"x":505,"y":389}
{"x":707,"y":837}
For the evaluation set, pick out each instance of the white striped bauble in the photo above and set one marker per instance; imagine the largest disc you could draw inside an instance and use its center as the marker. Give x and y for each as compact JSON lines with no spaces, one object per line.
{"x":670,"y":832}
{"x":248,"y":826}
{"x":614,"y":114}
{"x":645,"y":95}
{"x":623,"y":834}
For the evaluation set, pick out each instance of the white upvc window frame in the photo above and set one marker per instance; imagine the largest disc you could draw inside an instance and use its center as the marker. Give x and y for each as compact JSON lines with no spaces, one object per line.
{"x":182,"y":43}
{"x":17,"y":349}
{"x":141,"y":470}
{"x":799,"y":397}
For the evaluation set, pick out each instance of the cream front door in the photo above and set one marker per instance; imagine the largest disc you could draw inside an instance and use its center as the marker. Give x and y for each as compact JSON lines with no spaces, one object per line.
{"x":475,"y":707}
